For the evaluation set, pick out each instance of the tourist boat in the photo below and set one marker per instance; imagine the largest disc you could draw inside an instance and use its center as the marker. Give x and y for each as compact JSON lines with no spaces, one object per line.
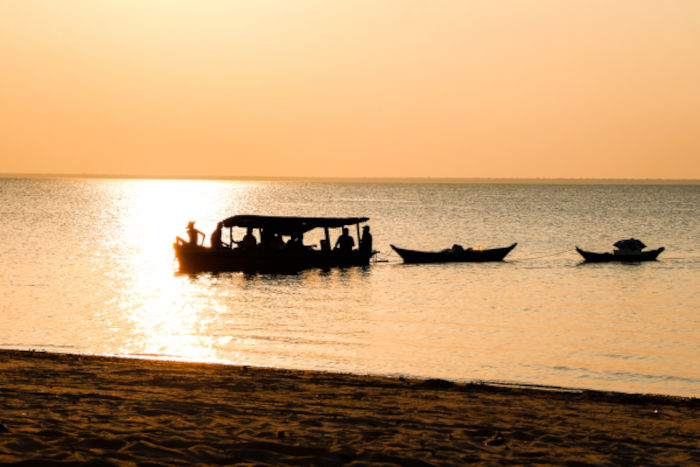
{"x":456,"y":254}
{"x":627,"y":251}
{"x":275,"y":255}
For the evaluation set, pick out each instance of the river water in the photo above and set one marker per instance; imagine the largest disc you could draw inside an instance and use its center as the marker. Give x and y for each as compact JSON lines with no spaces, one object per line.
{"x":88,"y":267}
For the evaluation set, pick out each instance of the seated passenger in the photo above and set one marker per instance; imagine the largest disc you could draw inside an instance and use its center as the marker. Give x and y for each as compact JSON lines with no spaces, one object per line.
{"x":296,"y":242}
{"x":345,"y":242}
{"x":269,"y":239}
{"x":249,"y":239}
{"x":277,"y":241}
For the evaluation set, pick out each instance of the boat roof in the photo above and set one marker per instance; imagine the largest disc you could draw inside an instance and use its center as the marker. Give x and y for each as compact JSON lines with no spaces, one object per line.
{"x":290,"y":225}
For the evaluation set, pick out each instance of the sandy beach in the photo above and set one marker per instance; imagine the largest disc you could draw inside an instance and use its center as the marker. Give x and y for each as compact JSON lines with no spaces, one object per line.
{"x":68,"y":409}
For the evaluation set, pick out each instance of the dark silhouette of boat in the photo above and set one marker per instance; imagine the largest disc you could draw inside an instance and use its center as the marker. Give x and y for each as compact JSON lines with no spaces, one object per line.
{"x":626,"y":251}
{"x":592,"y":257}
{"x":456,"y":254}
{"x":272,"y":254}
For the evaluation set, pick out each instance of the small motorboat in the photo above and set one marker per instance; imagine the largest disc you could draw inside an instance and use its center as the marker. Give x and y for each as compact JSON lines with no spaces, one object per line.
{"x":456,"y":254}
{"x":626,"y":251}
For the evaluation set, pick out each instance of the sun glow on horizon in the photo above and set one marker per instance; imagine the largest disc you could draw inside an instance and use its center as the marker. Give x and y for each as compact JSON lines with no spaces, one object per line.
{"x":474,"y":89}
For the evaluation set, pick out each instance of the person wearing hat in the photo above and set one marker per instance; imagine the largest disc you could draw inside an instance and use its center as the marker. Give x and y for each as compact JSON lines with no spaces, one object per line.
{"x":193,"y":235}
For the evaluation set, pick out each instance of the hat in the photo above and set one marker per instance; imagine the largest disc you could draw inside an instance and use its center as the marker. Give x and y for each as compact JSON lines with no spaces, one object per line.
{"x":190,"y":224}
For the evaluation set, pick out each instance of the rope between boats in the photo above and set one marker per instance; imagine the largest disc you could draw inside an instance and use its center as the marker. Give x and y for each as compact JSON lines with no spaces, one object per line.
{"x":540,"y":257}
{"x":679,"y":258}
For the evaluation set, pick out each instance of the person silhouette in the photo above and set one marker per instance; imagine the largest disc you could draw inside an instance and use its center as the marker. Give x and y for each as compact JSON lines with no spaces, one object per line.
{"x":216,"y":237}
{"x":366,"y":241}
{"x":192,"y":234}
{"x":296,"y":242}
{"x":249,"y":240}
{"x":345,"y":242}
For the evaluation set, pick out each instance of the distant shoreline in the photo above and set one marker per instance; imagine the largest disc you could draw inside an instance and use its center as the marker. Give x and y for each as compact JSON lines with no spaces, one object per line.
{"x":397,"y":180}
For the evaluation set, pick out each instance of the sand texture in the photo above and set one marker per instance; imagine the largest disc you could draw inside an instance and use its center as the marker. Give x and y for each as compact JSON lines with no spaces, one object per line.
{"x":66,"y":409}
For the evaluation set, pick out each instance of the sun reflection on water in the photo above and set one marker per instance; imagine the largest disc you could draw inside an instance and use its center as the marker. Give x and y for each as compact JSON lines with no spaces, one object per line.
{"x":168,"y":315}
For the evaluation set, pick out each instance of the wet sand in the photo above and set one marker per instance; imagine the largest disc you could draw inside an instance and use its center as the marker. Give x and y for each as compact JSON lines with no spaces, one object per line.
{"x":107,"y":411}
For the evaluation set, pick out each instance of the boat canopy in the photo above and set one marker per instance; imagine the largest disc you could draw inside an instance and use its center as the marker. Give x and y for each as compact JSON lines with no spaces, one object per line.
{"x":629,"y":244}
{"x":290,"y":225}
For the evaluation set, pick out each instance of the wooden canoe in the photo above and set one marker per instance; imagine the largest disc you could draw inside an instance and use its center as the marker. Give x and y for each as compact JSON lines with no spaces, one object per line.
{"x":453,"y":255}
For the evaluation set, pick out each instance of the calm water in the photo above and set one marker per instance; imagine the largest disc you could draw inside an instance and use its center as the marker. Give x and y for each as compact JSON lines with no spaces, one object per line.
{"x":87,"y":266}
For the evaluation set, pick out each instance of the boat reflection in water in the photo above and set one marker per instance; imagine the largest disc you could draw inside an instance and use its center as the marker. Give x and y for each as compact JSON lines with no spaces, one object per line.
{"x":280,"y":248}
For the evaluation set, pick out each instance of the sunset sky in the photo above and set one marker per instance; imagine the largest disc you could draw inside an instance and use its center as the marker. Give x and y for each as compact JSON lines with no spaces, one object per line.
{"x":466,"y":89}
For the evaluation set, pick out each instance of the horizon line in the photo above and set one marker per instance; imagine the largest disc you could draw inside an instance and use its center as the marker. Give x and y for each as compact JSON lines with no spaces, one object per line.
{"x":331,"y":179}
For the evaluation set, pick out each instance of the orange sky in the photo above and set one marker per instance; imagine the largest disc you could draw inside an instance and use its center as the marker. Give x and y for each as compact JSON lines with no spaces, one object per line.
{"x":507,"y":89}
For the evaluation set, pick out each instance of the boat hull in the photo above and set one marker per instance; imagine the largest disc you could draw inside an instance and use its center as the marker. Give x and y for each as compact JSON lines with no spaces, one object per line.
{"x":592,"y":257}
{"x":464,"y":256}
{"x":200,"y":259}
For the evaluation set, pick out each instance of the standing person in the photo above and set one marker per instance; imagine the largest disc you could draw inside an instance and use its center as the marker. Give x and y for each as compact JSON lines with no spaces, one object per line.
{"x":345,"y":242}
{"x":192,"y":234}
{"x":366,"y":241}
{"x":216,"y":237}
